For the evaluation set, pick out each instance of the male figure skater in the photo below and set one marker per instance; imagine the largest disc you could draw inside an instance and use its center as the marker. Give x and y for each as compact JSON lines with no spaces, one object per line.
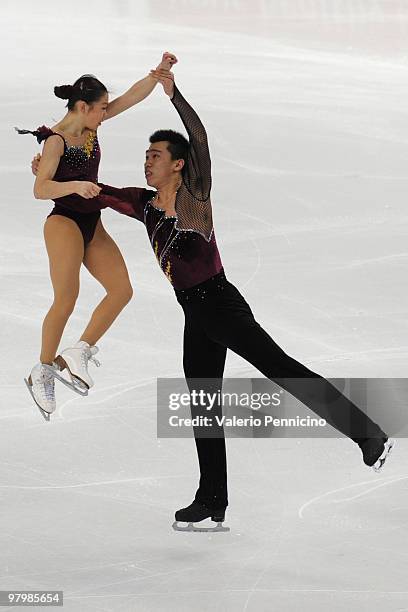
{"x":178,"y":221}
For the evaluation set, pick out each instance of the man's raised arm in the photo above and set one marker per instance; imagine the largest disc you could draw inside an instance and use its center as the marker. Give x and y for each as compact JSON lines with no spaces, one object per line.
{"x":197,"y":170}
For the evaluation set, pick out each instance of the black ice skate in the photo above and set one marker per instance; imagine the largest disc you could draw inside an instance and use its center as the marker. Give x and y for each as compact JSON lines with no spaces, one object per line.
{"x":376,"y":451}
{"x":197,"y":512}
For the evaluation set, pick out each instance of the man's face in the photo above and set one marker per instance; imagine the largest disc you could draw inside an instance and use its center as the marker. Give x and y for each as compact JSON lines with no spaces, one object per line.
{"x":159,"y":167}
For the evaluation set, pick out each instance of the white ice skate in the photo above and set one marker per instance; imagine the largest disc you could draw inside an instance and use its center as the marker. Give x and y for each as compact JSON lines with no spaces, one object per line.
{"x":75,"y":360}
{"x":41,"y":386}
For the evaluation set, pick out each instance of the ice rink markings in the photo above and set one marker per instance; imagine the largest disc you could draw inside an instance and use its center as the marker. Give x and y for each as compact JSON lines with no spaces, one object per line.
{"x":390,"y":480}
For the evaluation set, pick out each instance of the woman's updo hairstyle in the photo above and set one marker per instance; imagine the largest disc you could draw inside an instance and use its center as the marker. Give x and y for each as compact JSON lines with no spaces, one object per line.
{"x":87,"y":88}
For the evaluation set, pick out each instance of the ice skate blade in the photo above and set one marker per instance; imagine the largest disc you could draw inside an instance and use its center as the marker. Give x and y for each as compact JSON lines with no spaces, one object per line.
{"x":44,"y":413}
{"x":192,"y":527}
{"x":75,"y":385}
{"x":78,"y":382}
{"x":379,"y":464}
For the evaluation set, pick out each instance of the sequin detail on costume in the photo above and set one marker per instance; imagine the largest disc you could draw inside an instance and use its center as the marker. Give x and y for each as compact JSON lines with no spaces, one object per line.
{"x":77,"y":156}
{"x":78,"y":163}
{"x":167,"y":272}
{"x":89,"y":143}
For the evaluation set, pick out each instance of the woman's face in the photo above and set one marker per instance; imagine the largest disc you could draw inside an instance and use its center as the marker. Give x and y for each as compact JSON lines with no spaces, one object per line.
{"x":95,"y":112}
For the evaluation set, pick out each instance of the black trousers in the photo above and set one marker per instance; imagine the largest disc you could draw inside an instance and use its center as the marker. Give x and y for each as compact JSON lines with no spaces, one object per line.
{"x":217,"y":317}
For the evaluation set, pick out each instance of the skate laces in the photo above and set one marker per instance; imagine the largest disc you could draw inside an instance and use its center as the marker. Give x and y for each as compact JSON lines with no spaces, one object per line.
{"x":95,"y":361}
{"x":49,"y":386}
{"x":46,"y":382}
{"x":88,"y":355}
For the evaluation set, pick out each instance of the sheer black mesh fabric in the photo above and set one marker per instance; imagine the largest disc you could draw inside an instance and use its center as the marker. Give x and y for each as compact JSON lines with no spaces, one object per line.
{"x":193,"y":197}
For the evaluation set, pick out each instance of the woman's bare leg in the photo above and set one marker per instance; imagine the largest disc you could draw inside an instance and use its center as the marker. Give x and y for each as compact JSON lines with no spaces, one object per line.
{"x":104,"y":261}
{"x":65,"y":248}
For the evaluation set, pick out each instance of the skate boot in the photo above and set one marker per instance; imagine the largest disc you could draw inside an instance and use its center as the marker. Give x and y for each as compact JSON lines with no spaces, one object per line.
{"x":41,"y":386}
{"x":75,"y":360}
{"x":376,"y":451}
{"x":197,"y":512}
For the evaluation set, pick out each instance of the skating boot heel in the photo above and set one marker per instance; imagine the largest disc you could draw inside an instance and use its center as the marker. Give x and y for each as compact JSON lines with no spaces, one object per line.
{"x":197,"y":512}
{"x":74,"y":383}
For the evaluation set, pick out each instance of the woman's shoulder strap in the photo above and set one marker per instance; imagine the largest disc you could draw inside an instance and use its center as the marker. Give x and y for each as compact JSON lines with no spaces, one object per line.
{"x":41,"y":133}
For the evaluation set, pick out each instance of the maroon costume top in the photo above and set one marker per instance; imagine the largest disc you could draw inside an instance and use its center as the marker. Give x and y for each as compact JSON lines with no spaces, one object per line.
{"x":78,"y":163}
{"x":184,"y":245}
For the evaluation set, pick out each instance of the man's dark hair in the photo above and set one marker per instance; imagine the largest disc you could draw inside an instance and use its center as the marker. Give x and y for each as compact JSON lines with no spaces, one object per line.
{"x":178,"y":145}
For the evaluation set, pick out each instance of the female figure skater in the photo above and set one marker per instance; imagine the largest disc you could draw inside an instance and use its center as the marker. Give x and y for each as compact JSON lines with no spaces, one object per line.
{"x":73,"y":231}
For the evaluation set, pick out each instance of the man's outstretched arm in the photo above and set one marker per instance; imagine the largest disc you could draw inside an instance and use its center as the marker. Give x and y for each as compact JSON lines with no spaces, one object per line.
{"x":129,"y":201}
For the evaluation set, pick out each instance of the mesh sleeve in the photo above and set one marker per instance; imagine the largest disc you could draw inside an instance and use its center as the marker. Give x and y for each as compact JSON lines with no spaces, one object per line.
{"x":193,"y":204}
{"x":197,"y":171}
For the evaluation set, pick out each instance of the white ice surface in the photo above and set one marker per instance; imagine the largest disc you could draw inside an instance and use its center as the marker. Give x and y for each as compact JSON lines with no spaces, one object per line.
{"x":305,"y":104}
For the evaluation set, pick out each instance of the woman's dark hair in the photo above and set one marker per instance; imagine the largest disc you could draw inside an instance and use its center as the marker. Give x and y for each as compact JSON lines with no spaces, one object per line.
{"x":87,"y":88}
{"x":178,"y":145}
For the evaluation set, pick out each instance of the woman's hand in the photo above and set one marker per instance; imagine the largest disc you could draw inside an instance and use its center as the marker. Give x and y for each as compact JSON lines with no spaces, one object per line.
{"x":83,"y":188}
{"x":166,"y":78}
{"x":167,"y":62}
{"x":86,"y":189}
{"x":35,"y":163}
